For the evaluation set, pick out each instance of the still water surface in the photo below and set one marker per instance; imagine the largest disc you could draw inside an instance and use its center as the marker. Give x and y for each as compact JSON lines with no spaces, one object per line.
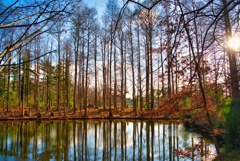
{"x":87,"y":140}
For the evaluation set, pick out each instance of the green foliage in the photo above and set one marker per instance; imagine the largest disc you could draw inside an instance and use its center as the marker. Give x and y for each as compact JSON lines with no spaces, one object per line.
{"x":186,"y":102}
{"x":40,"y":103}
{"x":232,"y":123}
{"x":71,"y":104}
{"x":216,"y":94}
{"x":226,"y":107}
{"x":232,"y":156}
{"x":2,"y":90}
{"x":13,"y":98}
{"x":195,"y":112}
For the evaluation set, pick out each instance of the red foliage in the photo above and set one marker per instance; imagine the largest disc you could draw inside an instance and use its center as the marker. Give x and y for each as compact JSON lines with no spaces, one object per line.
{"x":172,"y":107}
{"x":169,"y":107}
{"x":191,"y":152}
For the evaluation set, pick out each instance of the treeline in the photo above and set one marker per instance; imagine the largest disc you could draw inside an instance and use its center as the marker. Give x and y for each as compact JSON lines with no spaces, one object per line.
{"x":63,"y":54}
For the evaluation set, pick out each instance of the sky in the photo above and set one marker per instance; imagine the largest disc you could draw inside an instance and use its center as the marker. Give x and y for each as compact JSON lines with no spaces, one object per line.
{"x":98,"y":4}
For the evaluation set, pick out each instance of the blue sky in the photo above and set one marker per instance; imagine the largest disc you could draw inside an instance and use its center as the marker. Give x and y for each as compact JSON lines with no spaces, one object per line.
{"x":99,"y":4}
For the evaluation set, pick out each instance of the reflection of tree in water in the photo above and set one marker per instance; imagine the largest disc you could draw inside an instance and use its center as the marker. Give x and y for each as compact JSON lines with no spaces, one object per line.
{"x":100,"y":140}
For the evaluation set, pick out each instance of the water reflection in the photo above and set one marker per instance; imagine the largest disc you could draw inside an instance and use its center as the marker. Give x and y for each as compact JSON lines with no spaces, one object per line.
{"x":98,"y":140}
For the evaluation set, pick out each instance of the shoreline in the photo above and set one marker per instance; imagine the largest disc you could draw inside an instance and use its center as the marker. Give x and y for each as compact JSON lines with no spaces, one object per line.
{"x":53,"y":114}
{"x":81,"y":118}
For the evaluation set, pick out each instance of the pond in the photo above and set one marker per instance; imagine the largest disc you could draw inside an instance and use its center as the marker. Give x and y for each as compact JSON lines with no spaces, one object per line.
{"x":87,"y":140}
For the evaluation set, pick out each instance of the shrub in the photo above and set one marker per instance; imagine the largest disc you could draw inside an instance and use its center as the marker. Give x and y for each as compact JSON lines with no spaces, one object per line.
{"x":186,"y":102}
{"x":226,"y":107}
{"x":232,"y":124}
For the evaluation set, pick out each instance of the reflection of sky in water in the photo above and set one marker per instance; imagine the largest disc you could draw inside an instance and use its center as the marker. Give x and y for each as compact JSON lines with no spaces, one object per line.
{"x":99,"y":140}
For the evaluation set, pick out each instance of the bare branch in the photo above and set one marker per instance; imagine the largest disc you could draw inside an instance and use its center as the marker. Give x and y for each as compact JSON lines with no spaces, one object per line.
{"x":148,"y":8}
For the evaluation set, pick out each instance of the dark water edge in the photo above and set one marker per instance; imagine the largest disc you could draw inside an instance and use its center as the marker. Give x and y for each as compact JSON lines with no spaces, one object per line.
{"x":100,"y":140}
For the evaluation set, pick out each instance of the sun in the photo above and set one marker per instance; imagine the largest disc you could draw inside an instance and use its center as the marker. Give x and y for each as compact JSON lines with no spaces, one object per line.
{"x":234,"y":43}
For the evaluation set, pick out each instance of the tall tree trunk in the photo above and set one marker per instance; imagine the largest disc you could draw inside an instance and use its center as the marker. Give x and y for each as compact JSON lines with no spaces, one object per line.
{"x":122,"y":70}
{"x":133,"y":71}
{"x":110,"y":71}
{"x":22,"y":91}
{"x":151,"y":63}
{"x":75,"y":73}
{"x":162,"y":64}
{"x":80,"y":86}
{"x":86,"y":76}
{"x":104,"y":73}
{"x":115,"y":76}
{"x":9,"y":82}
{"x":27,"y":77}
{"x":96,"y":73}
{"x":147,"y":71}
{"x":169,"y":77}
{"x":67,"y":74}
{"x":235,"y":92}
{"x":19,"y":77}
{"x":191,"y":71}
{"x":169,"y":54}
{"x":83,"y":75}
{"x":59,"y":72}
{"x":36,"y":77}
{"x":176,"y":74}
{"x":125,"y":73}
{"x":47,"y":89}
{"x":67,"y":50}
{"x":139,"y":68}
{"x":158,"y":80}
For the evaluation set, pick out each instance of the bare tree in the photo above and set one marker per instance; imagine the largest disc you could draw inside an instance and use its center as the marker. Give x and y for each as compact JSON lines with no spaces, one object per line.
{"x":104,"y":68}
{"x":132,"y":57}
{"x":25,"y":17}
{"x":139,"y":68}
{"x":77,"y":24}
{"x":111,"y":14}
{"x":95,"y":67}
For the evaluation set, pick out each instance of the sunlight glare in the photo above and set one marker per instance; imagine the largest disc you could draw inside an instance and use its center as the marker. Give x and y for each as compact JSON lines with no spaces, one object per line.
{"x":234,"y":43}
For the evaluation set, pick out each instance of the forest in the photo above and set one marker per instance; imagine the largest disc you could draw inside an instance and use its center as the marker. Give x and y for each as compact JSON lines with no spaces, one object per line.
{"x":159,"y":58}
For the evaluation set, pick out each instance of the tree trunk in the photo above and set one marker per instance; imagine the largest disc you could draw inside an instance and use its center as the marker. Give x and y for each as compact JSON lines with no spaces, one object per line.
{"x":235,"y":92}
{"x":86,"y":76}
{"x":96,"y":73}
{"x":151,"y":63}
{"x":104,"y":73}
{"x":122,"y":71}
{"x":147,"y":72}
{"x":83,"y":74}
{"x":133,"y":71}
{"x":139,"y":68}
{"x":36,"y":77}
{"x":110,"y":71}
{"x":59,"y":72}
{"x":19,"y":78}
{"x":75,"y":73}
{"x":115,"y":76}
{"x":9,"y":83}
{"x":162,"y":62}
{"x":67,"y":77}
{"x":125,"y":74}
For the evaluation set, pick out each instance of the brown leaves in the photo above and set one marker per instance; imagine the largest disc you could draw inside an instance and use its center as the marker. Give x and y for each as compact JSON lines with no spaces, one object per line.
{"x":191,"y":152}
